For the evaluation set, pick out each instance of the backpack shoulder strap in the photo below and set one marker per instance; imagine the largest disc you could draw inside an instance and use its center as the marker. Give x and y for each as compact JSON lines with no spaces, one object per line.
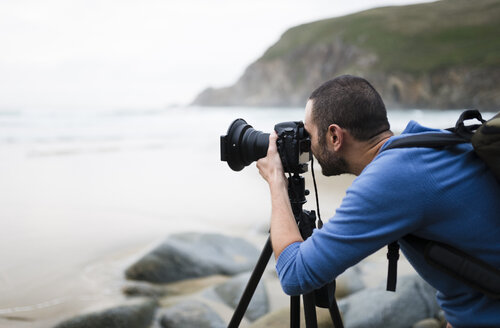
{"x":431,"y":140}
{"x":461,"y":133}
{"x":392,"y":270}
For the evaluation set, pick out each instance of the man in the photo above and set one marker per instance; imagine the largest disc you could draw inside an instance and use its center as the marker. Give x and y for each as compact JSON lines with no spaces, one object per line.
{"x":443,"y":195}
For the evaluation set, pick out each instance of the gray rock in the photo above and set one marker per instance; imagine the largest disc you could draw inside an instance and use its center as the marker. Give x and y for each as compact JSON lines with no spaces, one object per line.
{"x":281,"y":319}
{"x":192,"y":255}
{"x":442,"y":319}
{"x":427,"y":323}
{"x":413,"y":300}
{"x":349,"y":282}
{"x":231,"y":291}
{"x":139,"y":288}
{"x":190,"y":314}
{"x":135,"y":314}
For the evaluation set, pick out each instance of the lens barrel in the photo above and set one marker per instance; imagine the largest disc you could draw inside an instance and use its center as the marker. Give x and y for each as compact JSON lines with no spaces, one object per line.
{"x":243,"y":145}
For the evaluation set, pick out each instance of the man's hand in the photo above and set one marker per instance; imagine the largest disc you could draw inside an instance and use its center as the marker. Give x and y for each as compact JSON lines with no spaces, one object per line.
{"x":284,"y":230}
{"x":270,"y":167}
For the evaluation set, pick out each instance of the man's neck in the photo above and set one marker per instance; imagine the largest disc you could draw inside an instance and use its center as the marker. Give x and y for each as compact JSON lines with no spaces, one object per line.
{"x":364,"y":152}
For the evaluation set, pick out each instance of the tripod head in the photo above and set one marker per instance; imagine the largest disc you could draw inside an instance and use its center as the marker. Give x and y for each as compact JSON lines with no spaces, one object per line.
{"x":306,"y":220}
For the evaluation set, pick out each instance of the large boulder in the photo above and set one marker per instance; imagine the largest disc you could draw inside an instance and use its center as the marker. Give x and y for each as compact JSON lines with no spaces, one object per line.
{"x":190,"y":314}
{"x":231,"y":291}
{"x":414,"y":300}
{"x":428,"y":323}
{"x":192,"y":255}
{"x":134,"y":314}
{"x":281,"y":319}
{"x":144,"y":289}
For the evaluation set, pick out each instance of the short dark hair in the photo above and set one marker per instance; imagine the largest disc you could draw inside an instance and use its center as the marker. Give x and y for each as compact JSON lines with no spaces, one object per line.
{"x":352,"y":103}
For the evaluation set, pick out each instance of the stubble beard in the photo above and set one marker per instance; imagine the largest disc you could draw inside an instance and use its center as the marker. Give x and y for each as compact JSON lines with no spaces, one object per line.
{"x":331,"y":164}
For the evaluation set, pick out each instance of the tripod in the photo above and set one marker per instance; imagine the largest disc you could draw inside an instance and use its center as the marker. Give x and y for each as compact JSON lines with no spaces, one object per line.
{"x":323,"y":297}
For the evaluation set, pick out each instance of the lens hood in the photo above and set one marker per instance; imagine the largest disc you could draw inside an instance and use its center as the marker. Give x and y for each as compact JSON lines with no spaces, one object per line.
{"x":242,"y":145}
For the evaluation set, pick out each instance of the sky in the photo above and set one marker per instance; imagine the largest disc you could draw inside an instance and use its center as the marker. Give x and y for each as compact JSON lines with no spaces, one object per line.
{"x":131,"y":54}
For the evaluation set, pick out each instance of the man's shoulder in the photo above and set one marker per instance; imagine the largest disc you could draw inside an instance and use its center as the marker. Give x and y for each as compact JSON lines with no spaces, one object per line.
{"x":393,"y":171}
{"x":403,"y":162}
{"x":403,"y":166}
{"x":421,"y":160}
{"x":412,"y":129}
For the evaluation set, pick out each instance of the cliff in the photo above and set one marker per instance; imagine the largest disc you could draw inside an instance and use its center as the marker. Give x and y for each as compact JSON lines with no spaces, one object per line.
{"x":444,"y":54}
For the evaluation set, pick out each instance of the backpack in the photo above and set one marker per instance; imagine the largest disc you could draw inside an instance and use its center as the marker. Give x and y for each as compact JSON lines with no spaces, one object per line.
{"x":485,"y":139}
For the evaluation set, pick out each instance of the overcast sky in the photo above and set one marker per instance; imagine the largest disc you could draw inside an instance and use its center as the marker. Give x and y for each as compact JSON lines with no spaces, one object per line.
{"x":140,"y":53}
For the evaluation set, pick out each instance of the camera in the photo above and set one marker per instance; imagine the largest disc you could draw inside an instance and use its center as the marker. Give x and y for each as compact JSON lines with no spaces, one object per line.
{"x":243,"y":145}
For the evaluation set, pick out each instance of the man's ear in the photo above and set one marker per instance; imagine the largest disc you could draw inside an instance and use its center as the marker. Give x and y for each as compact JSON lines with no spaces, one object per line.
{"x":335,"y":136}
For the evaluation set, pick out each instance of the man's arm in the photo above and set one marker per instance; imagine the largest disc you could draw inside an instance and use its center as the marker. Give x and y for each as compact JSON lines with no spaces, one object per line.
{"x":284,"y":230}
{"x":387,"y":201}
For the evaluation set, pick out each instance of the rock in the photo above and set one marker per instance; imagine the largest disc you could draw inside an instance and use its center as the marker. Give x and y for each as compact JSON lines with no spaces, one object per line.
{"x":231,"y":291}
{"x":427,"y":323}
{"x":263,"y":227}
{"x":192,"y":255}
{"x":281,"y":319}
{"x":349,"y":282}
{"x":442,"y":319}
{"x":185,"y":287}
{"x":413,"y":300}
{"x":138,"y":288}
{"x":190,"y":314}
{"x":135,"y":314}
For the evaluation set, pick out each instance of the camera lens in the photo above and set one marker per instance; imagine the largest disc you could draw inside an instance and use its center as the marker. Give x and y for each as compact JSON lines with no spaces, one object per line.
{"x":243,"y":145}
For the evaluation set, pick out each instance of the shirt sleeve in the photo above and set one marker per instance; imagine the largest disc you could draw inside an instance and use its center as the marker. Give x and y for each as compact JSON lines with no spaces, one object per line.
{"x":384,"y":203}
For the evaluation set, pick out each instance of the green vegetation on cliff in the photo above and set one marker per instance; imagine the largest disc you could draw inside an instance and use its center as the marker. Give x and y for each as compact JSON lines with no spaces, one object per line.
{"x":413,"y":39}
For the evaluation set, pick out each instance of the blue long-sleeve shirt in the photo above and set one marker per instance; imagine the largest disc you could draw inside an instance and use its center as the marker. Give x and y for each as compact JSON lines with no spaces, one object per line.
{"x":443,"y":195}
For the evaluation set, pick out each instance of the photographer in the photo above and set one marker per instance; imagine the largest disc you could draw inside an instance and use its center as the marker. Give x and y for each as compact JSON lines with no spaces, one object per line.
{"x":447,"y":196}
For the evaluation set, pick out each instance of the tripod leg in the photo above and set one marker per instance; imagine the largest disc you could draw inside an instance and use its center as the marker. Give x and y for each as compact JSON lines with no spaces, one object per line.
{"x":331,"y":303}
{"x":310,"y":310}
{"x":294,"y":311}
{"x":335,"y":315}
{"x":239,"y":312}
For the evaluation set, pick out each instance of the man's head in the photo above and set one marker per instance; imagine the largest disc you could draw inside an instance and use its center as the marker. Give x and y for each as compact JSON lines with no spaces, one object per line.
{"x":344,"y":106}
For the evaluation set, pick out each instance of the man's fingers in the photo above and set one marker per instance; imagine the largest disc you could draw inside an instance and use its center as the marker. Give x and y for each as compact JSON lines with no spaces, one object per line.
{"x":273,"y":137}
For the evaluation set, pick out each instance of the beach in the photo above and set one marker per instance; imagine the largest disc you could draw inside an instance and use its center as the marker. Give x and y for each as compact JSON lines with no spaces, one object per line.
{"x":85,"y":194}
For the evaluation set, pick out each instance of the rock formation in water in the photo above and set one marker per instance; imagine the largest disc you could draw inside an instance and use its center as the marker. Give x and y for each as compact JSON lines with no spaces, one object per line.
{"x":444,"y":54}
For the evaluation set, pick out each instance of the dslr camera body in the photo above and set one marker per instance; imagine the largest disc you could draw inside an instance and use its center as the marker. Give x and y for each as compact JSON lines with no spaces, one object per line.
{"x":243,"y":145}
